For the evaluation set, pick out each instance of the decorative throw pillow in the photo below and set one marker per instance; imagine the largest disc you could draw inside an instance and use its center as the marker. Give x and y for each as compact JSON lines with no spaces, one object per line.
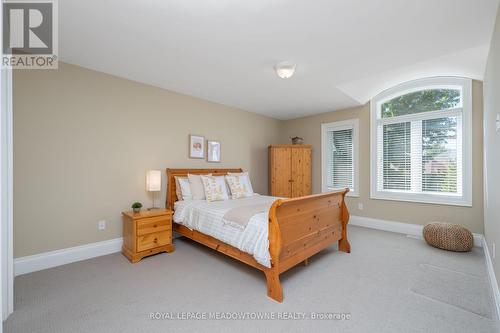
{"x":196,"y":185}
{"x":215,"y":188}
{"x":239,"y":187}
{"x":245,"y":180}
{"x":182,"y":188}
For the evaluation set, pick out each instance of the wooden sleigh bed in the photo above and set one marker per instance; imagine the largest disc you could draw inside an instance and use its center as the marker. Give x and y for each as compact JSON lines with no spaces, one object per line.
{"x":298,"y":229}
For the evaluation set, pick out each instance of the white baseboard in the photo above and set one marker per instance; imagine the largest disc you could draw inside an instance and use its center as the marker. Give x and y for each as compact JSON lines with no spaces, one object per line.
{"x":492,"y":278}
{"x":37,"y":262}
{"x":414,"y":230}
{"x":28,"y":264}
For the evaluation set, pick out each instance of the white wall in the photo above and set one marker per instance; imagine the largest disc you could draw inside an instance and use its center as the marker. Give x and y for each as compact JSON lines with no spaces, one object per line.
{"x":492,"y":149}
{"x":6,"y":206}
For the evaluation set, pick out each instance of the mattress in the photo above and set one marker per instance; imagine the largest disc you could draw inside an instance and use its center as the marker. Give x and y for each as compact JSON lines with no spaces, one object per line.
{"x":208,"y":218}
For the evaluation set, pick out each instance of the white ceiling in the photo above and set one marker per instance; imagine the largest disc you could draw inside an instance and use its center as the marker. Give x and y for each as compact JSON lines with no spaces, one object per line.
{"x":224,"y":50}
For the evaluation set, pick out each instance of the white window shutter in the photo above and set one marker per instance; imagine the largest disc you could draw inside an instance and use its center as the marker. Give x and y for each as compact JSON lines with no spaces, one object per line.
{"x":340,"y":166}
{"x":394,"y":148}
{"x":440,"y":154}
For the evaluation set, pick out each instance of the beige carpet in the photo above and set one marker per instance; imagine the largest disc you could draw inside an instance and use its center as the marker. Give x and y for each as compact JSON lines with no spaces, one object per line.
{"x":389,"y":283}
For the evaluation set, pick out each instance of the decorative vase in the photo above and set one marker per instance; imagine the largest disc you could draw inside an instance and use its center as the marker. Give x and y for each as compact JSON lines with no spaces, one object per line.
{"x":136,"y":210}
{"x":297,"y":140}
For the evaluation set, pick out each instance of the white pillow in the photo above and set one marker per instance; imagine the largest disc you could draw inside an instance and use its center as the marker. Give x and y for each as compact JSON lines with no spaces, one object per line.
{"x":239,"y":186}
{"x":196,"y":185}
{"x":182,"y":188}
{"x":215,"y":188}
{"x":245,"y":179}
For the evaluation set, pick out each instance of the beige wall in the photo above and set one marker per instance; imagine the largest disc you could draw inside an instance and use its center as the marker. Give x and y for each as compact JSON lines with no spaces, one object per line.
{"x":310,"y":129}
{"x":492,"y":147}
{"x":83,"y":141}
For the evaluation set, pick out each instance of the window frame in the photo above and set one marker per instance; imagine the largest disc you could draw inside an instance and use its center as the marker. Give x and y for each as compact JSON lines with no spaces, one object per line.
{"x":465,"y":110}
{"x":338,"y":126}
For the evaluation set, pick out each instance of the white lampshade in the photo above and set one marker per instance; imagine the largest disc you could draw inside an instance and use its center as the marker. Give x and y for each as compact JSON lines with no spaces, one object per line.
{"x":153,"y":180}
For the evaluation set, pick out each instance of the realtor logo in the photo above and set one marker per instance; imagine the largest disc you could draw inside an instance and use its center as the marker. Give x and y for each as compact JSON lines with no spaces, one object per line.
{"x":30,"y":34}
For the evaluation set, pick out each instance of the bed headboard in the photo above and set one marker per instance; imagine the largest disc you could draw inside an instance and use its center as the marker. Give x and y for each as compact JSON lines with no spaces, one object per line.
{"x":172,"y":173}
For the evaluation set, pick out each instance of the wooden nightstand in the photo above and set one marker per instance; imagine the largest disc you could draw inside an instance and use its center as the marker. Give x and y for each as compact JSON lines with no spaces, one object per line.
{"x":147,"y":233}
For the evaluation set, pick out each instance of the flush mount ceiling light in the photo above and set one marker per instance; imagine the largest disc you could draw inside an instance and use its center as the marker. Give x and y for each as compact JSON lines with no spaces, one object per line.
{"x":285,"y":69}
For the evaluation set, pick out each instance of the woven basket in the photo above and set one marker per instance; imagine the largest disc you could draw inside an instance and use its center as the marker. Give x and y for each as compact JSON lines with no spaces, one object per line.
{"x":447,"y":236}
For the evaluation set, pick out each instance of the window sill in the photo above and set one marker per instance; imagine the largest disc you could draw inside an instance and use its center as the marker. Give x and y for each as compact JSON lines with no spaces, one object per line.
{"x":351,"y":193}
{"x":423,"y":199}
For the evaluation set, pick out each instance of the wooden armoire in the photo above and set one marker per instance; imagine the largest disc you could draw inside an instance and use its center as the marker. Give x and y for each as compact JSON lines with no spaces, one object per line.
{"x":289,"y":170}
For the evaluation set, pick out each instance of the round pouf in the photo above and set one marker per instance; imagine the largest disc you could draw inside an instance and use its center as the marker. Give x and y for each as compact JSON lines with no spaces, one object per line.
{"x":447,"y":236}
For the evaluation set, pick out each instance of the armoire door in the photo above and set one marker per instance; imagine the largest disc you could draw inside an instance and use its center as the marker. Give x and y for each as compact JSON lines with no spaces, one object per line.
{"x":301,"y":172}
{"x":281,"y":173}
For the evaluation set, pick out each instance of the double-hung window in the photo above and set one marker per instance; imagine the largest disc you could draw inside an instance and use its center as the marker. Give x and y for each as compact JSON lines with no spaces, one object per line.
{"x":421,"y":142}
{"x":339,"y":145}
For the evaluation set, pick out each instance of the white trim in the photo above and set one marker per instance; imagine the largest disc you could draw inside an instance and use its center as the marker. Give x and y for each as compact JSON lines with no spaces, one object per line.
{"x":9,"y":299}
{"x":37,"y":262}
{"x":336,"y":126}
{"x":410,"y":229}
{"x":6,"y":210}
{"x":435,"y":199}
{"x":437,"y":82}
{"x":3,"y":271}
{"x":492,"y":278}
{"x":420,"y":116}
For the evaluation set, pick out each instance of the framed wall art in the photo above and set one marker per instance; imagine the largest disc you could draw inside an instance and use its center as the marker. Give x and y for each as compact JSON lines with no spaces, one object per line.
{"x":213,"y":149}
{"x":196,"y":146}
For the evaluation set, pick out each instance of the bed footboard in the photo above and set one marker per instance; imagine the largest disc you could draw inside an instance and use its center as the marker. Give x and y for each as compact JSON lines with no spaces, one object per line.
{"x":300,"y":228}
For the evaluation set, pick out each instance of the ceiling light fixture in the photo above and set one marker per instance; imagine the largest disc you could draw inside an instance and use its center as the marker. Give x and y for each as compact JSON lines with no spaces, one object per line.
{"x":285,"y":69}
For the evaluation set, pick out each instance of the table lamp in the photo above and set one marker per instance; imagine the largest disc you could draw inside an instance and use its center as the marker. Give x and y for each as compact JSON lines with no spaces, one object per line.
{"x":153,"y":183}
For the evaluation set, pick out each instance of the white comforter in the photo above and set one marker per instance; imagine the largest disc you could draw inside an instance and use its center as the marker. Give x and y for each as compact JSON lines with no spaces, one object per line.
{"x":207,"y":217}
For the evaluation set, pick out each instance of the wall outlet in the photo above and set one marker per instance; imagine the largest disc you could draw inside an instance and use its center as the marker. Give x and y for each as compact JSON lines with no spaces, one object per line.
{"x":493,"y":250}
{"x":497,"y":122}
{"x":101,"y":225}
{"x":360,"y":205}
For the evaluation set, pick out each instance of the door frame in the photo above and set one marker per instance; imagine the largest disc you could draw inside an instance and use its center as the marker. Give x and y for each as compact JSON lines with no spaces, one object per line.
{"x":6,"y":191}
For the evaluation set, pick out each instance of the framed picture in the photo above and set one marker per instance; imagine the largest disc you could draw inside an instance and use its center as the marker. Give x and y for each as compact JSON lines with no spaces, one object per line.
{"x":213,"y":149}
{"x":196,"y":146}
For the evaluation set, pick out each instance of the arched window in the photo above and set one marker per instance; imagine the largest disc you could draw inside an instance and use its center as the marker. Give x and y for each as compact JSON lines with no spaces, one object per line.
{"x":421,"y":142}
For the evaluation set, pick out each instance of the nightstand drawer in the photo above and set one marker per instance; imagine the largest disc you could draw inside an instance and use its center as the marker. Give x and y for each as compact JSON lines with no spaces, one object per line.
{"x":153,"y":240}
{"x":153,"y":224}
{"x":146,"y":233}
